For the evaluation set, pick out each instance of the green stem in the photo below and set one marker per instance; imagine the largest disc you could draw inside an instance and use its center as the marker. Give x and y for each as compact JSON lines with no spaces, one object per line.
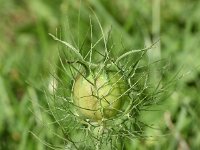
{"x":134,"y":51}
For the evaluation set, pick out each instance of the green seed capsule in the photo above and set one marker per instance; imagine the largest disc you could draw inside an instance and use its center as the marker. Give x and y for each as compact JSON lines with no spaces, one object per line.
{"x":99,"y":96}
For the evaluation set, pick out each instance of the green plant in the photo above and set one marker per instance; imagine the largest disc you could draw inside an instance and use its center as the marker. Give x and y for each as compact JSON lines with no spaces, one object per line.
{"x":105,"y":97}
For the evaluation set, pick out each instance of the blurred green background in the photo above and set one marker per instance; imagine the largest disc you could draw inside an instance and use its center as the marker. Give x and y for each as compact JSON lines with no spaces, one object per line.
{"x":28,"y":55}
